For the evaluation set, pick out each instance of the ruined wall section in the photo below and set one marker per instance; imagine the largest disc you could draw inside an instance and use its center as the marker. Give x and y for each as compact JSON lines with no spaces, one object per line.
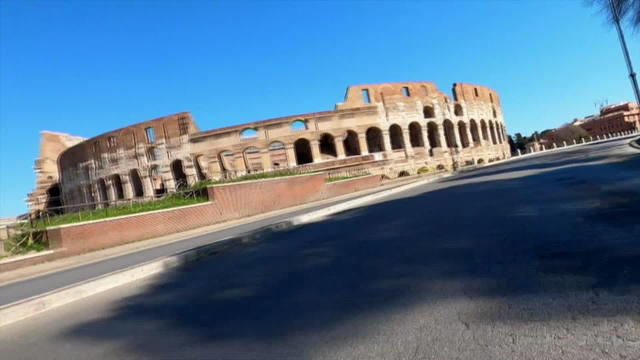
{"x":52,"y":144}
{"x":128,"y":163}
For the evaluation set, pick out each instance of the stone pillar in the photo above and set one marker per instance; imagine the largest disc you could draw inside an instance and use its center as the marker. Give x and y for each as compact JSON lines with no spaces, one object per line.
{"x":266,"y":159}
{"x":425,"y":138}
{"x":127,"y":186}
{"x":387,"y":141}
{"x":339,"y":147}
{"x":291,"y":155}
{"x":456,"y":136}
{"x":315,"y":151}
{"x":147,"y":186}
{"x":362,"y":141}
{"x":467,"y":129}
{"x":111,"y":194}
{"x":406,"y":138}
{"x":240,"y":166}
{"x":441,"y":137}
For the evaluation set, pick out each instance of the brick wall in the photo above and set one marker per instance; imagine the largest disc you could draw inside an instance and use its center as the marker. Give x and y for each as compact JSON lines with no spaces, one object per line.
{"x":343,"y":187}
{"x":227,"y":202}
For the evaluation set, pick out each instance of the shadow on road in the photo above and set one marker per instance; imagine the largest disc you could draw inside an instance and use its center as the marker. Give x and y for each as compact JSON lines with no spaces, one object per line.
{"x":543,"y":236}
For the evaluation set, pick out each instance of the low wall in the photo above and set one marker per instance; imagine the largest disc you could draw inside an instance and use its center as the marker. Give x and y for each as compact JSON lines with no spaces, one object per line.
{"x":344,"y":187}
{"x":226,"y":202}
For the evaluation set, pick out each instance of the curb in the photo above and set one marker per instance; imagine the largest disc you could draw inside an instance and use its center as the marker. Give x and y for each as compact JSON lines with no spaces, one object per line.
{"x":25,"y":308}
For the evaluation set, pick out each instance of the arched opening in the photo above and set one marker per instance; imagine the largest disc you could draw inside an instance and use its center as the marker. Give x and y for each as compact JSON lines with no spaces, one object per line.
{"x":136,"y":183}
{"x":102,"y":190}
{"x":249,"y":133}
{"x":375,"y":143}
{"x":395,"y":135}
{"x":433,"y":134}
{"x":457,"y":110}
{"x":351,"y":144}
{"x":498,"y":133}
{"x":118,"y":190}
{"x":302,"y":148}
{"x":90,"y":199}
{"x":475,"y":136}
{"x":54,"y":199}
{"x":415,"y":135}
{"x":492,"y":131}
{"x":449,"y":135}
{"x":157,"y":181}
{"x":252,"y":159}
{"x":278,"y":155}
{"x":179,"y":176}
{"x":328,"y":146}
{"x":428,"y":112}
{"x":199,"y":165}
{"x":462,"y":132}
{"x":298,"y":125}
{"x":483,"y":129}
{"x":226,"y":159}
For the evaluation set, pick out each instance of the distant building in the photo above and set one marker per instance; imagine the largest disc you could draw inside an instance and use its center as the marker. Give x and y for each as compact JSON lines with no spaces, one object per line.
{"x":612,"y":119}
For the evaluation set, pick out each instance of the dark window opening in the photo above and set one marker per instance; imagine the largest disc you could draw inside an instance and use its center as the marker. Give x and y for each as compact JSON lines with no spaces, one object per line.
{"x":365,"y":96}
{"x":302,"y":149}
{"x":183,"y":126}
{"x":405,"y":91}
{"x":151,"y":135}
{"x":428,"y":112}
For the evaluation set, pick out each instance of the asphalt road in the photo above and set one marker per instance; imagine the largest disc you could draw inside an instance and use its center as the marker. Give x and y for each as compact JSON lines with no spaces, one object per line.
{"x":532,"y":259}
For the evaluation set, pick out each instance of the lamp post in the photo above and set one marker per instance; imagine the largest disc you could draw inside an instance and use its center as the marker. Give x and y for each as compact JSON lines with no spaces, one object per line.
{"x":625,"y":50}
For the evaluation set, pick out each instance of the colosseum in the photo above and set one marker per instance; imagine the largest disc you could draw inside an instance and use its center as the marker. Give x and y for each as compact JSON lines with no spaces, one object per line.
{"x":390,"y":128}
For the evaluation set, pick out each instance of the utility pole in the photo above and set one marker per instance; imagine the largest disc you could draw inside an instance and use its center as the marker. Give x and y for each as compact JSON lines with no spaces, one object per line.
{"x":625,"y":50}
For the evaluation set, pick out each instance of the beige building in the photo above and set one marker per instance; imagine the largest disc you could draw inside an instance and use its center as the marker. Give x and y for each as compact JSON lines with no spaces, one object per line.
{"x":389,"y":128}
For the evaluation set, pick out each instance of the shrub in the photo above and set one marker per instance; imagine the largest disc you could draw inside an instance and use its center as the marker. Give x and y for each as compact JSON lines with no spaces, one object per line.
{"x":423,"y":170}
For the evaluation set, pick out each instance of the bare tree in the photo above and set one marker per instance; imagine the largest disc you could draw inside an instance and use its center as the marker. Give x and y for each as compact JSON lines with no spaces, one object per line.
{"x":618,"y":11}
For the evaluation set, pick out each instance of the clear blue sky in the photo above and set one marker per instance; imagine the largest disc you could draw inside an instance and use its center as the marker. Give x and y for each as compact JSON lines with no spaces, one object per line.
{"x":86,"y":67}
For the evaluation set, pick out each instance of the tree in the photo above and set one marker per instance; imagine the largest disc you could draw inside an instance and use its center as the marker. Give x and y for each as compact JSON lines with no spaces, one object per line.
{"x":618,"y":11}
{"x":628,"y":10}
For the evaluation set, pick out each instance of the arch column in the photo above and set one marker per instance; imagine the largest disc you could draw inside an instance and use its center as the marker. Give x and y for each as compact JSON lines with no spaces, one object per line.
{"x":456,"y":135}
{"x":467,"y":128}
{"x":291,"y":155}
{"x":266,"y":159}
{"x":406,"y":138}
{"x":425,"y":138}
{"x":315,"y":150}
{"x":240,"y":166}
{"x":387,"y":141}
{"x":127,"y":190}
{"x":339,"y":144}
{"x":362,"y":140}
{"x":111,"y":193}
{"x":147,"y":186}
{"x":441,"y":138}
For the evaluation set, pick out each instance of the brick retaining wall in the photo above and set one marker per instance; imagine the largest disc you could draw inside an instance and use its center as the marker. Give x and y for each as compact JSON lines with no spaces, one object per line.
{"x":227,"y":202}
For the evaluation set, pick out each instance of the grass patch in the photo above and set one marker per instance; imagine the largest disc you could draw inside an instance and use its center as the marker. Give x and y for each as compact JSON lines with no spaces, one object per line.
{"x":249,"y":177}
{"x":340,"y":178}
{"x":171,"y":201}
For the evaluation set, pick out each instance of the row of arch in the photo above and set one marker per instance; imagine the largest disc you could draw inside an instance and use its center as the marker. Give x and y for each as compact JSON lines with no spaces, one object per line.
{"x":136,"y":184}
{"x":455,"y":135}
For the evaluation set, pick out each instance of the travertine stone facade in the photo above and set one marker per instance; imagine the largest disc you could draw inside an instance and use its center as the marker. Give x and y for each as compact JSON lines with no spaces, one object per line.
{"x":47,"y":190}
{"x":389,"y":128}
